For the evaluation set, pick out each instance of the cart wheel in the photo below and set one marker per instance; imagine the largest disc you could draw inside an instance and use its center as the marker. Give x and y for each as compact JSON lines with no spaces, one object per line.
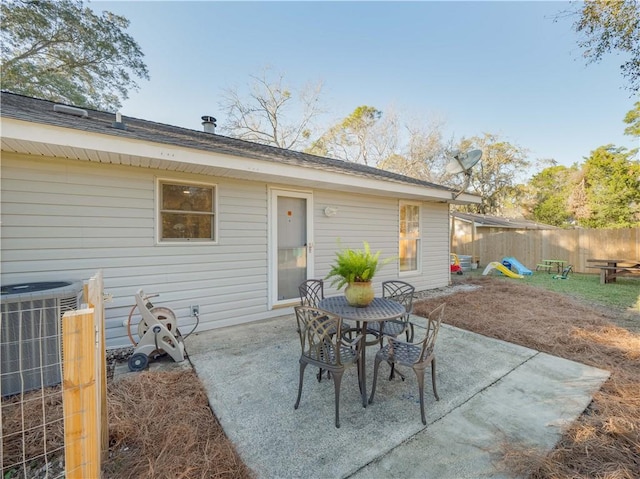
{"x":138,"y":362}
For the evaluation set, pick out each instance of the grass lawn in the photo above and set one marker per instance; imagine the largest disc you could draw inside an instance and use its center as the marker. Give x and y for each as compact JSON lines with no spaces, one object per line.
{"x":623,"y":295}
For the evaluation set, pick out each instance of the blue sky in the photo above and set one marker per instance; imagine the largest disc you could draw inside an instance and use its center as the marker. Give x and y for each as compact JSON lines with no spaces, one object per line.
{"x":499,"y":67}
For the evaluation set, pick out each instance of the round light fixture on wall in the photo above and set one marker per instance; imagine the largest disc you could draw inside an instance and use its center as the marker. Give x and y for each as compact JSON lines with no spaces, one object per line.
{"x":330,"y":211}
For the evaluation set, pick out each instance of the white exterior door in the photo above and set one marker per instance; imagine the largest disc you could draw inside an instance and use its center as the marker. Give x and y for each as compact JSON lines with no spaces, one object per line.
{"x":291,"y":244}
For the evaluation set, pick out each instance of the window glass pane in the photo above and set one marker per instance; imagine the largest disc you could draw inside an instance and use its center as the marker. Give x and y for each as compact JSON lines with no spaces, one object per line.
{"x":187,"y":198}
{"x":408,"y":255}
{"x":187,"y":226}
{"x":409,"y":245}
{"x":413,"y":223}
{"x":187,"y":212}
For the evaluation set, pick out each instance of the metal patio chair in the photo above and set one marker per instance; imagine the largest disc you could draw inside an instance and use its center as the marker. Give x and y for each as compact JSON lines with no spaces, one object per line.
{"x":402,"y":293}
{"x":414,"y":355}
{"x":311,"y":292}
{"x":321,"y":347}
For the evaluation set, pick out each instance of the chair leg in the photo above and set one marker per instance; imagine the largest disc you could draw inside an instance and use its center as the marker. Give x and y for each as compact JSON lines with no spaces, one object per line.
{"x":320,"y":373}
{"x":337,"y":379}
{"x":393,"y":372}
{"x":376,"y":366}
{"x":302,"y":368}
{"x":420,"y":377}
{"x":433,"y":379}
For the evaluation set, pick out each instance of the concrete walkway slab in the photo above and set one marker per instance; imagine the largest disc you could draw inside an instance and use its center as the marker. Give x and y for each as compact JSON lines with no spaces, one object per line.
{"x":490,"y":392}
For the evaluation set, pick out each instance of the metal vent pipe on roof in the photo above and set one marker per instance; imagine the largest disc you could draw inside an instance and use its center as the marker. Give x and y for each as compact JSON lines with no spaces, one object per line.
{"x":209,"y":124}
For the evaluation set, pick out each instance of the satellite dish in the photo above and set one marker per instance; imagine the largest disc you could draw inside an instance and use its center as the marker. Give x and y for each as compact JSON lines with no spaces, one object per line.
{"x":462,"y":162}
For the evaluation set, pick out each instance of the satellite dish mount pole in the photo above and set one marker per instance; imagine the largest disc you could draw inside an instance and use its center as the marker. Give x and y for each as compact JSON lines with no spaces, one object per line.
{"x":465,"y":185}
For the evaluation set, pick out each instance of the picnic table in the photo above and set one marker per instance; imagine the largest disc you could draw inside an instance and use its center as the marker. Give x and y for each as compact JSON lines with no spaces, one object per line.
{"x":610,"y":269}
{"x":549,"y":264}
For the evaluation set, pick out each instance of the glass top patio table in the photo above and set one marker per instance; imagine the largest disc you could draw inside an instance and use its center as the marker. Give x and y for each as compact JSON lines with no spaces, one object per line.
{"x":380,"y":309}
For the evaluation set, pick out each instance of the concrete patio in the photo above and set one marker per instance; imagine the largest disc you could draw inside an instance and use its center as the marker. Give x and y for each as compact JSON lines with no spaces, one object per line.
{"x":491,"y":393}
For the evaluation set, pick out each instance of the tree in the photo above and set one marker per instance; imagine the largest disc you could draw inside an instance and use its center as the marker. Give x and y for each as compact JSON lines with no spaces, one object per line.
{"x":369,"y":136}
{"x":64,"y":52}
{"x":632,"y":118}
{"x":494,"y":178}
{"x":272,"y":113}
{"x":551,"y":190}
{"x":423,"y":156}
{"x":355,"y":138}
{"x":611,"y":26}
{"x":610,"y":187}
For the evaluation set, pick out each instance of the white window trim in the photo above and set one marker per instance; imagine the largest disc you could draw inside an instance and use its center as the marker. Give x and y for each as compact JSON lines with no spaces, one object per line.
{"x":158,"y":240}
{"x":418,"y":270}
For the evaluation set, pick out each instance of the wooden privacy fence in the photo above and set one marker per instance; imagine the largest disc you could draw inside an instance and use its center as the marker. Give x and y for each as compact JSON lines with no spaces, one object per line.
{"x":530,"y":247}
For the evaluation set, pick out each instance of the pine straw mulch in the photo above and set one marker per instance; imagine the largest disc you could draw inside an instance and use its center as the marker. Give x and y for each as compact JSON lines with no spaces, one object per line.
{"x":40,"y":415}
{"x":161,"y":427}
{"x":604,"y":442}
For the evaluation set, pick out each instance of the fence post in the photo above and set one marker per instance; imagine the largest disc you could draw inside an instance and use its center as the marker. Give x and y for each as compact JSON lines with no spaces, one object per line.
{"x":94,"y":293}
{"x":80,"y":400}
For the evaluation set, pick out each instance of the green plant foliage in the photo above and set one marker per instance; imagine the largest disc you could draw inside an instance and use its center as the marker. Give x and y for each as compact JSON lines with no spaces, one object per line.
{"x":611,"y":27}
{"x":552,"y":187}
{"x":611,"y":189}
{"x":632,"y":118}
{"x":356,"y":138}
{"x":355,"y":266}
{"x":62,"y":51}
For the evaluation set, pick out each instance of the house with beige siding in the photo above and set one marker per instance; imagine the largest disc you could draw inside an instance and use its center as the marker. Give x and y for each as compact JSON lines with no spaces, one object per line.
{"x":198,"y":218}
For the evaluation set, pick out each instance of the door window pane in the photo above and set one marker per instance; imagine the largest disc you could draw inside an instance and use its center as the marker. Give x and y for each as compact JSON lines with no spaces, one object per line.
{"x":292,"y":245}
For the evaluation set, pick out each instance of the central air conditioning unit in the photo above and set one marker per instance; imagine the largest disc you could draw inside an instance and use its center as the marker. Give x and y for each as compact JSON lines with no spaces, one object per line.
{"x":30,"y":333}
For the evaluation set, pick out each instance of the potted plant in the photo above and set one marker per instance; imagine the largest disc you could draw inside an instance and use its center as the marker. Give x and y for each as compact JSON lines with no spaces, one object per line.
{"x":356,"y":268}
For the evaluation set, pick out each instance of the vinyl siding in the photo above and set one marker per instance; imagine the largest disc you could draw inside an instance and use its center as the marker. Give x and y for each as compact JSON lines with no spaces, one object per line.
{"x":376,"y":220}
{"x":65,"y":219}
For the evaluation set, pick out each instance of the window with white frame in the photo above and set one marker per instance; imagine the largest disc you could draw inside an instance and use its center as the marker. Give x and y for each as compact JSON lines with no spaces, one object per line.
{"x":410,"y":237}
{"x":187,"y":212}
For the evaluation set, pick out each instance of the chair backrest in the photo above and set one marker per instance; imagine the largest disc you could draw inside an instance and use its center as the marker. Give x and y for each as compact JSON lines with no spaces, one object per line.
{"x":311,"y":292}
{"x":400,"y":292}
{"x":318,"y":340}
{"x":434,"y":319}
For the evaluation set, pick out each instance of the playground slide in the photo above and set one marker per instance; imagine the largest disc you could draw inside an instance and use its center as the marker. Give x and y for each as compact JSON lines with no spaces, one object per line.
{"x":518,"y":266}
{"x":500,"y":267}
